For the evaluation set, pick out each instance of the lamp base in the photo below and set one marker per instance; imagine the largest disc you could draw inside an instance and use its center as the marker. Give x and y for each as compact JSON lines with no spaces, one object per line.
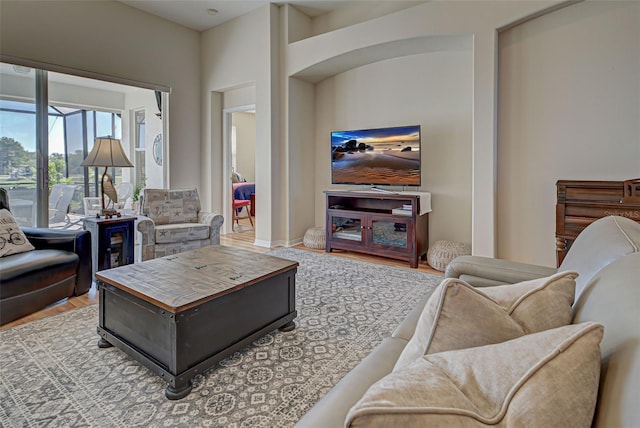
{"x":108,"y":213}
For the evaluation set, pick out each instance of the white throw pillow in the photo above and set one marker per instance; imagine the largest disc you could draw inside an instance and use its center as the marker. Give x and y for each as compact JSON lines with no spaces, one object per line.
{"x":458,"y":315}
{"x":545,"y":379}
{"x":12,"y":239}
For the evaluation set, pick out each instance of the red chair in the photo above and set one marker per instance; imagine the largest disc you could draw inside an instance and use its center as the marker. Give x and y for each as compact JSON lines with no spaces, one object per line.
{"x":239,"y":204}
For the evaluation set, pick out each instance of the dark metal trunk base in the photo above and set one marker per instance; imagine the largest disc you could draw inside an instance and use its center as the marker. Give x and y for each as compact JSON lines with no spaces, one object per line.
{"x":179,"y":346}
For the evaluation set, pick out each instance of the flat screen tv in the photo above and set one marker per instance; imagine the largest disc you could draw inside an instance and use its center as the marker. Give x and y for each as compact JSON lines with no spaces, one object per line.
{"x":383,"y":156}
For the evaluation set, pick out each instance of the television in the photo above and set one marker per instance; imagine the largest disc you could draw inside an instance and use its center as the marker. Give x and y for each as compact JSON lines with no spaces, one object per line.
{"x":382,"y":156}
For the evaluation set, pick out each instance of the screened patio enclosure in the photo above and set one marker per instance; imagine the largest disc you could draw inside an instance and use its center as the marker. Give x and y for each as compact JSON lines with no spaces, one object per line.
{"x":72,"y":132}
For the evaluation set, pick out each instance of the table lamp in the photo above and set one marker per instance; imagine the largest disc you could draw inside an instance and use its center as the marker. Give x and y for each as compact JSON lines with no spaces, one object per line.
{"x":107,"y":152}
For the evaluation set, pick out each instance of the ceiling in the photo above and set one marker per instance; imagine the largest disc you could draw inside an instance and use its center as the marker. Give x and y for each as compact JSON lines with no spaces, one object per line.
{"x":195,"y":14}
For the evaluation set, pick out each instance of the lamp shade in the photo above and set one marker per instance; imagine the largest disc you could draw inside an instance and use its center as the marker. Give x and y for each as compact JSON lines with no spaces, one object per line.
{"x":107,"y":152}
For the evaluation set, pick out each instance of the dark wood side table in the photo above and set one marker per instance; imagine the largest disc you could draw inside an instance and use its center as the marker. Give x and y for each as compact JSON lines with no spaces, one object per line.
{"x":111,"y":241}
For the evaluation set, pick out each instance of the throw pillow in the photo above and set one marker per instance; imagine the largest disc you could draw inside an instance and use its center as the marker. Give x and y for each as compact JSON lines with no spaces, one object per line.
{"x":236,"y":177}
{"x":546,"y":379}
{"x":458,"y":315}
{"x":12,"y":239}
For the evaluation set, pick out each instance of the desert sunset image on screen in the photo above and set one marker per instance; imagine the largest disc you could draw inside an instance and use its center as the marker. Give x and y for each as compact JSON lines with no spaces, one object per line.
{"x":376,"y":156}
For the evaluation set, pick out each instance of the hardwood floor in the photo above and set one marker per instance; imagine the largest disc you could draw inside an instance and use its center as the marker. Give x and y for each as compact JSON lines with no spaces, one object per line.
{"x":243,"y":238}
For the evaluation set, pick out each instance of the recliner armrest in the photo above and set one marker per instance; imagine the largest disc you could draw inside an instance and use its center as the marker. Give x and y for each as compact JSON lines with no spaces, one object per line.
{"x":75,"y":241}
{"x":485,"y":271}
{"x":147,"y":229}
{"x":214,"y":221}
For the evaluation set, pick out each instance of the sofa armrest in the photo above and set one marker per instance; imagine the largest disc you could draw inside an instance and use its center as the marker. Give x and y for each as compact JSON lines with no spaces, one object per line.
{"x":55,"y":239}
{"x":75,"y":241}
{"x":214,"y":221}
{"x":484,"y":271}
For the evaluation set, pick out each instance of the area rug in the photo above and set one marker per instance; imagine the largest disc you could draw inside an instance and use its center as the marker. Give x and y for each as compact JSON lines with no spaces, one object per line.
{"x":53,"y":374}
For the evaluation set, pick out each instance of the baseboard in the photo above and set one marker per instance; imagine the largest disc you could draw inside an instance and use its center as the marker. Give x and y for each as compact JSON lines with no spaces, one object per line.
{"x":260,"y":243}
{"x":294,"y":242}
{"x":275,"y":244}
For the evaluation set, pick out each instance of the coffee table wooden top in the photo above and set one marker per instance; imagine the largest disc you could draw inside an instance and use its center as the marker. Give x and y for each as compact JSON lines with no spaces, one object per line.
{"x":180,"y":281}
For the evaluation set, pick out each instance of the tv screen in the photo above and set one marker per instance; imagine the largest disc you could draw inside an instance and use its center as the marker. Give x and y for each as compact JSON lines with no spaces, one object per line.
{"x":376,"y":156}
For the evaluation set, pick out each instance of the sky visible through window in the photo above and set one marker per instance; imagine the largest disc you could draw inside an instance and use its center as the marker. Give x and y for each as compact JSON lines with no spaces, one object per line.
{"x":21,"y":127}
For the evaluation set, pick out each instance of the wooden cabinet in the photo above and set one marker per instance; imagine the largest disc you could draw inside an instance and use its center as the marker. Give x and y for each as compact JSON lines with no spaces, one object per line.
{"x":111,"y":241}
{"x":580,"y":203}
{"x":387,"y":225}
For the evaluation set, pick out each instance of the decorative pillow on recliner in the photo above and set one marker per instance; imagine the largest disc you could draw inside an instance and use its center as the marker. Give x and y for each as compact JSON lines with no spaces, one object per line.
{"x":545,"y":379}
{"x":12,"y":239}
{"x":458,"y":315}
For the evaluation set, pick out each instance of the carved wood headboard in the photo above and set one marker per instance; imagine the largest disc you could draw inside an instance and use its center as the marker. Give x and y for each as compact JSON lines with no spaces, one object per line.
{"x":631,"y":191}
{"x":580,"y":203}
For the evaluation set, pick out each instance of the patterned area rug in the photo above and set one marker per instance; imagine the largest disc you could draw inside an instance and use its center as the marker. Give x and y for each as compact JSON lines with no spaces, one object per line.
{"x":53,"y":374}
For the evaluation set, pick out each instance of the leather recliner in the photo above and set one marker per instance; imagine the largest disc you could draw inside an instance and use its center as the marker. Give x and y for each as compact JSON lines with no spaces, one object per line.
{"x":59,"y":267}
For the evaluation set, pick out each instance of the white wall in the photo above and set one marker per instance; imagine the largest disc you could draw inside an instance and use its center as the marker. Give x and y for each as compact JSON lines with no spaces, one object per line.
{"x":426,"y":28}
{"x":302,"y":162}
{"x":355,"y":12}
{"x":240,"y":97}
{"x":239,"y":53}
{"x":245,"y":124}
{"x":143,"y":99}
{"x":432,"y":90}
{"x":231,"y":59}
{"x":138,"y":46}
{"x":569,"y":109}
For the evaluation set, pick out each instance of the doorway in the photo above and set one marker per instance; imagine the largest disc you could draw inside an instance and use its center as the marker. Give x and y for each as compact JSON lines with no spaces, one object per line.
{"x":239,"y":147}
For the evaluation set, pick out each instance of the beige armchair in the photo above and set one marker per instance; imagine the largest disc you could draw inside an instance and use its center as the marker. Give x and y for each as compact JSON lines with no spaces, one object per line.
{"x":171,"y":222}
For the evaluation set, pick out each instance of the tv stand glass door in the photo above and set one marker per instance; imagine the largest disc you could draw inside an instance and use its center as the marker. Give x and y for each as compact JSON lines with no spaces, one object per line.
{"x":348,"y":228}
{"x":390,"y":234}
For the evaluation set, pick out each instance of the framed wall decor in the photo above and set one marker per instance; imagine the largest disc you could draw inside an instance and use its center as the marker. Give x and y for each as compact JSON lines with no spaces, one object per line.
{"x":157,"y":149}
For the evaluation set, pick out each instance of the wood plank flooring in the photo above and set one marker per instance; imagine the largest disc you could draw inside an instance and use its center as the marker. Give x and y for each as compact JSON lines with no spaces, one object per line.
{"x":243,"y":238}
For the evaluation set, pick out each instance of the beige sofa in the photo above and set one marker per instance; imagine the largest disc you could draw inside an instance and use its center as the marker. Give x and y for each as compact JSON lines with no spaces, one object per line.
{"x":606,"y":256}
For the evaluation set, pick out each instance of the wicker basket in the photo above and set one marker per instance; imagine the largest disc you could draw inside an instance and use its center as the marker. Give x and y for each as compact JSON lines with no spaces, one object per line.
{"x":315,"y":238}
{"x":441,"y":253}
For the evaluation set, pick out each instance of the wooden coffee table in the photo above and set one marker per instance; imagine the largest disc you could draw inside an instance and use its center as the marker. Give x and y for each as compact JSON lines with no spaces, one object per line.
{"x":179,"y":315}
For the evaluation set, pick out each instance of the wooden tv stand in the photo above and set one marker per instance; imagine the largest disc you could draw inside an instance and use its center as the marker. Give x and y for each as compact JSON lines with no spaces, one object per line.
{"x":374,"y":223}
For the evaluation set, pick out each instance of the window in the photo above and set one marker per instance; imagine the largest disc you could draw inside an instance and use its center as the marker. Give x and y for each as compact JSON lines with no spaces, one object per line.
{"x":83,"y":109}
{"x":140,"y":150}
